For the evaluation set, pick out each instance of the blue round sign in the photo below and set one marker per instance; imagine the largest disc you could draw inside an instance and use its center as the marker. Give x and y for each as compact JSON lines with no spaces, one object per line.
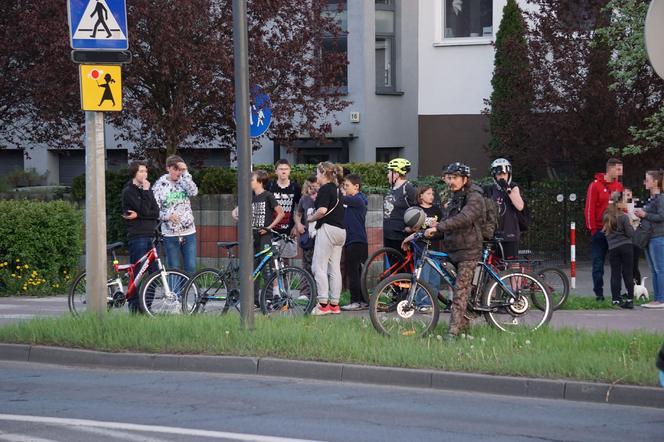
{"x":260,"y":112}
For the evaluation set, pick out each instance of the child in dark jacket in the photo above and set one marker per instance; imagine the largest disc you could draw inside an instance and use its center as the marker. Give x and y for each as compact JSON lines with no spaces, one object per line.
{"x":619,"y":231}
{"x":356,"y":247}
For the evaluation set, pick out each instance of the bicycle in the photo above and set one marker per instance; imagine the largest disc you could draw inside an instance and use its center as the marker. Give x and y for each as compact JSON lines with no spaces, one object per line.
{"x":382,"y":263}
{"x":288,"y":290}
{"x":504,"y":299}
{"x":554,"y":279}
{"x":159,"y":293}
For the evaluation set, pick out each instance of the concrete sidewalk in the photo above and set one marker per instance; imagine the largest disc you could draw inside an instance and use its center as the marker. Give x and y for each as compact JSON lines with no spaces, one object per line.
{"x":17,"y":308}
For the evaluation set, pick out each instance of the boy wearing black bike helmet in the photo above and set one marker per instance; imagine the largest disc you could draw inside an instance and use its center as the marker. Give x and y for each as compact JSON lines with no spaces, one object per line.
{"x":462,"y":238}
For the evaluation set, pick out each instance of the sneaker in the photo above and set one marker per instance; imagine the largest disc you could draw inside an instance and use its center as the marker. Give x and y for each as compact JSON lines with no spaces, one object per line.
{"x":615,"y":303}
{"x":599,"y":298}
{"x":321,"y":310}
{"x":334,"y":309}
{"x":352,"y":306}
{"x":628,"y":304}
{"x":425,"y":309}
{"x":653,"y":304}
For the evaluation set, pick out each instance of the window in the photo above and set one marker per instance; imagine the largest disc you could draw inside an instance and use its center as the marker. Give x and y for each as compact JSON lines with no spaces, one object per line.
{"x":335,"y":46}
{"x":385,"y":154}
{"x":467,"y":19}
{"x":385,"y":46}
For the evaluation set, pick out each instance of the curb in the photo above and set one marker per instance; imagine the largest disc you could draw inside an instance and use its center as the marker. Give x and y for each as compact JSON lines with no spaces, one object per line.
{"x":388,"y":376}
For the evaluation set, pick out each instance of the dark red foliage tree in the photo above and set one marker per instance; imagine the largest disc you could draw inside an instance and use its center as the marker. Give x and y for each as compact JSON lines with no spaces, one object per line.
{"x":178,"y":90}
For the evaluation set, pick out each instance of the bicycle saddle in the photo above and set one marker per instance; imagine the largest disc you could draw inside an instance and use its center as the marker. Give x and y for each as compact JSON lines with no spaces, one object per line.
{"x":226,"y":244}
{"x":115,"y":245}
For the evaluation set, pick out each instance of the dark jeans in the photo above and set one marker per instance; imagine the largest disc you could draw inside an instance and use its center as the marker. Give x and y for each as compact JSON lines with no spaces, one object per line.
{"x":260,"y":241}
{"x":599,"y":247}
{"x":622,"y":261}
{"x":394,"y":243}
{"x":356,"y":254}
{"x":137,"y":248}
{"x":178,"y":247}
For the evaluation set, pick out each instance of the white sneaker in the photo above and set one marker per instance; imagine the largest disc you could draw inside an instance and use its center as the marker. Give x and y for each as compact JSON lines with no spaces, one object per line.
{"x":352,"y":306}
{"x":653,"y":304}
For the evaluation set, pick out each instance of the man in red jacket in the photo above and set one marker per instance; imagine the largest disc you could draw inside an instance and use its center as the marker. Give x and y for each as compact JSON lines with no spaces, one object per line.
{"x":597,"y":200}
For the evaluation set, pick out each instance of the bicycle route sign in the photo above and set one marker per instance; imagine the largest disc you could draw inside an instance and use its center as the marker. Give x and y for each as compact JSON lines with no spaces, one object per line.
{"x":98,"y":24}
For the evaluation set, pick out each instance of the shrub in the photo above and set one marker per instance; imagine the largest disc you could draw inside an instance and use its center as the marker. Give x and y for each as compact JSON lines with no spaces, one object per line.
{"x":26,"y":178}
{"x":4,"y":184}
{"x":40,"y":244}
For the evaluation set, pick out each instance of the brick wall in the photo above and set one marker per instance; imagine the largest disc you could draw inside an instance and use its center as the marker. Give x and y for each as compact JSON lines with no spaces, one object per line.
{"x":214,"y":222}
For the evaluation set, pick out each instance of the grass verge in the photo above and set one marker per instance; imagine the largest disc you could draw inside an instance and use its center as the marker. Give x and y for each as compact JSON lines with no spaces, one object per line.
{"x":627,"y":358}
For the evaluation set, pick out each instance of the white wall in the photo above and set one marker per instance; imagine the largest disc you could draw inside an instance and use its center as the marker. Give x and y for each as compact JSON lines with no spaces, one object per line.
{"x":453,"y":79}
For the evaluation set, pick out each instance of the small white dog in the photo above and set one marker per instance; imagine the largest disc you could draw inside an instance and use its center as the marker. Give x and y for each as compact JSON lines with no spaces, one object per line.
{"x":640,"y":290}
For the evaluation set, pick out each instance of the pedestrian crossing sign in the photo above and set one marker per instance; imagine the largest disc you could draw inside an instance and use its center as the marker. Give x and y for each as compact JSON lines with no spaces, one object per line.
{"x":98,"y":24}
{"x":101,"y":87}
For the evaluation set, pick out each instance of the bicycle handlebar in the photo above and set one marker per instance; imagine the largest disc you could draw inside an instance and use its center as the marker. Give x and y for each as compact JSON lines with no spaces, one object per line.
{"x":274,"y":232}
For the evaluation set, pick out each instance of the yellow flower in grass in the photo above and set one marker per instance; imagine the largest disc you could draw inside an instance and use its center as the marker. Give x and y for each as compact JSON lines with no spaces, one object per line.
{"x":25,"y":266}
{"x":13,"y":275}
{"x":18,"y":260}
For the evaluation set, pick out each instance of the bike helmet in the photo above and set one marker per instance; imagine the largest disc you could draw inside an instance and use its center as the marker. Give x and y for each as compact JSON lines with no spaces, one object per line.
{"x":457,"y":168}
{"x":399,"y":165}
{"x":501,"y":165}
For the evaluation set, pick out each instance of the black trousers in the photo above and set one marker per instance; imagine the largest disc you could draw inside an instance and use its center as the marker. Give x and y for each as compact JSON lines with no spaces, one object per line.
{"x":622,"y":262}
{"x":394,"y":243}
{"x":356,"y":254}
{"x":635,"y":271}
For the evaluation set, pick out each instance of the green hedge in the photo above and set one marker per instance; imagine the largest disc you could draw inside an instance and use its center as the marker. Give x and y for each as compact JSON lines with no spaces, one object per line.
{"x":40,"y":244}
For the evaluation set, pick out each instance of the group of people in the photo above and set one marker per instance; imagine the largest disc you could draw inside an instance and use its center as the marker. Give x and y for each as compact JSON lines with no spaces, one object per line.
{"x":614,"y":222}
{"x":167,"y":201}
{"x":328,"y":216}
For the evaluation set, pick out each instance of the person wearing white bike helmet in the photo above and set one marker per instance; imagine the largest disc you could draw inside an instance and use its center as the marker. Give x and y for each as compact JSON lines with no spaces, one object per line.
{"x":511,"y":207}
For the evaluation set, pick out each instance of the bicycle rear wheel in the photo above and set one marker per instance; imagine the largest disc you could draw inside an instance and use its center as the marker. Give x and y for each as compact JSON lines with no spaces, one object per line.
{"x":509,"y":314}
{"x":157,"y":299}
{"x":290,"y":292}
{"x":205,"y":292}
{"x":391,"y":313}
{"x":557,"y":284}
{"x":382,"y":263}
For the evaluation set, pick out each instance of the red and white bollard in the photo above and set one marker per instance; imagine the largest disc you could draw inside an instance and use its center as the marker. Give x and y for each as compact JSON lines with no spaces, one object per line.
{"x":572,"y":254}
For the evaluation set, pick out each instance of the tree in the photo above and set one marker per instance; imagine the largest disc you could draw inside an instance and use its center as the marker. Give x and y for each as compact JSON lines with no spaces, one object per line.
{"x":511,"y":100}
{"x":38,"y":82}
{"x":178,"y":90}
{"x":633,"y":77}
{"x":577,"y":117}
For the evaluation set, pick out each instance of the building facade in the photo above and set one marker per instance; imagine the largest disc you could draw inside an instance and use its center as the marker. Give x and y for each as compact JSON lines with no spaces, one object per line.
{"x":455,"y":67}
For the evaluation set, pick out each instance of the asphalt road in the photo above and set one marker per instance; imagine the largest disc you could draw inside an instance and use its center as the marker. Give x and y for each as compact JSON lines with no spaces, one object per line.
{"x":52,"y":403}
{"x":17,"y":308}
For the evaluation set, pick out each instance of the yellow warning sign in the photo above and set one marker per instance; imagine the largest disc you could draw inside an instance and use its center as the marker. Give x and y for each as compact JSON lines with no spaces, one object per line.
{"x":101,"y":87}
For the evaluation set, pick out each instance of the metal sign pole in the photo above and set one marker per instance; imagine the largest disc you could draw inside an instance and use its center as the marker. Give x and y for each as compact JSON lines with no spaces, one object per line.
{"x":95,"y":213}
{"x":241,"y":54}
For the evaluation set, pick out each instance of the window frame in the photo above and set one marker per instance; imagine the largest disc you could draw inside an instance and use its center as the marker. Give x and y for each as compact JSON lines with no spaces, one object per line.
{"x":439,"y":28}
{"x":392,"y":37}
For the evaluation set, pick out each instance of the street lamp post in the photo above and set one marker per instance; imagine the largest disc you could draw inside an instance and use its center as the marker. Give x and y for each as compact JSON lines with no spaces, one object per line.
{"x":241,"y":54}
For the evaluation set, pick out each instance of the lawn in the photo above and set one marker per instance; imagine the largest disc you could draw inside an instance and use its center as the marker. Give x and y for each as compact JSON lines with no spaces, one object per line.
{"x":627,"y":358}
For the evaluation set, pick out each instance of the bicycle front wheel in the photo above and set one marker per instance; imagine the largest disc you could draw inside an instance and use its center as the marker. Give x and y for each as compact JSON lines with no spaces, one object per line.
{"x":77,"y":298}
{"x":382,"y":263}
{"x":393,"y":315}
{"x":291,"y":291}
{"x":513,"y":302}
{"x":557,"y":284}
{"x":163,"y":294}
{"x":205,"y":292}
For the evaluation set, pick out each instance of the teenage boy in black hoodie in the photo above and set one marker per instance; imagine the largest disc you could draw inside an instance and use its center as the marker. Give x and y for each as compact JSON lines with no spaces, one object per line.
{"x":141,"y":212}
